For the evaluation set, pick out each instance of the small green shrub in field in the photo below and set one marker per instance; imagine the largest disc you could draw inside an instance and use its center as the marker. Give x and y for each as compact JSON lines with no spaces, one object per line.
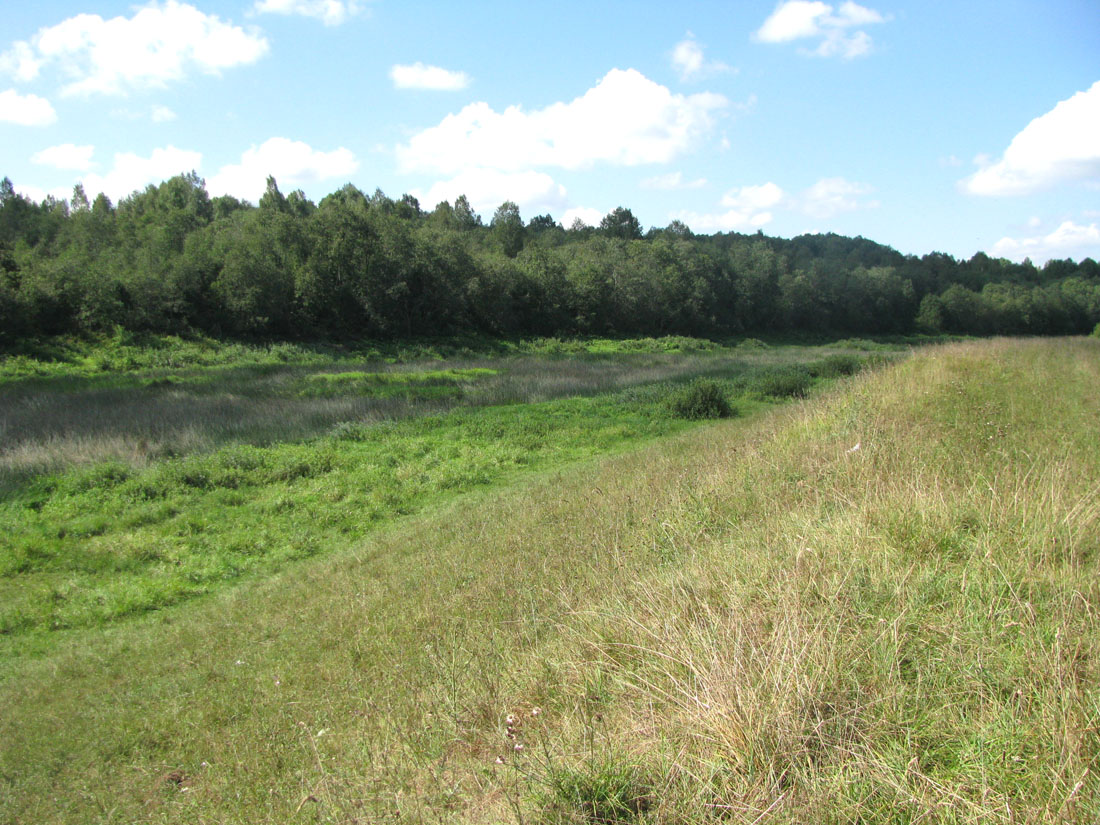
{"x":781,"y":382}
{"x":752,"y":343}
{"x":1096,"y":331}
{"x":861,"y":344}
{"x":606,"y":792}
{"x":835,"y":366}
{"x":702,"y":398}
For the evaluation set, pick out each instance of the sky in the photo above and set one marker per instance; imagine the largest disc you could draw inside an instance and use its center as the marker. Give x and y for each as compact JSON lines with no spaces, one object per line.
{"x":952,"y":127}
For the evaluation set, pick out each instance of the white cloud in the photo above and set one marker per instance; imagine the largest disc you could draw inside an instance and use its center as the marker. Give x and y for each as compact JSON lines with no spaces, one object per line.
{"x":1068,"y":240}
{"x":25,"y":110}
{"x":811,"y":19}
{"x":625,"y":119}
{"x":672,"y":181}
{"x":66,"y":156}
{"x":420,"y":76}
{"x":689,"y":62}
{"x":132,"y":173}
{"x":793,"y":20}
{"x":159,"y":44}
{"x":162,"y":114}
{"x":733,"y":220}
{"x":486,"y":189}
{"x":20,"y":62}
{"x":752,"y":207}
{"x":292,"y":163}
{"x":587,"y":215}
{"x":329,"y":12}
{"x":754,"y":198}
{"x":1061,"y":145}
{"x":830,"y":196}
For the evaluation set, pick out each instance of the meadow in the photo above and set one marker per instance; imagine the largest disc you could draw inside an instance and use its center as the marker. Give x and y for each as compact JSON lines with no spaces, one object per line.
{"x":525,"y":588}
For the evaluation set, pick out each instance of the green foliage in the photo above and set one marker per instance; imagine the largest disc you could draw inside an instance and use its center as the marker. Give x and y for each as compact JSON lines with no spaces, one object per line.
{"x":701,"y":399}
{"x":835,"y":366}
{"x":172,"y":260}
{"x":778,"y":382}
{"x":601,"y":792}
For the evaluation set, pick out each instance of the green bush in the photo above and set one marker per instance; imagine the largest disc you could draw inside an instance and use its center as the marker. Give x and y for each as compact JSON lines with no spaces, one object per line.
{"x":702,"y":398}
{"x":606,"y":793}
{"x":781,"y":382}
{"x":834,"y":366}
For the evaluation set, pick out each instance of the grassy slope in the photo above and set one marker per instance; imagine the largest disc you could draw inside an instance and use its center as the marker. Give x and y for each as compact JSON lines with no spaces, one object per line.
{"x":749,"y":620}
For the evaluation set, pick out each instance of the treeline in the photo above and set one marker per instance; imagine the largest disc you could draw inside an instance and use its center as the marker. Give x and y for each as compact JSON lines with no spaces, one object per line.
{"x":173,"y":259}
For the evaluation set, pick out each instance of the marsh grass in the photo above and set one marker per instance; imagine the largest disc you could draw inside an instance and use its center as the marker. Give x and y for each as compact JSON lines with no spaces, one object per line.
{"x":180,"y":398}
{"x":183,"y":484}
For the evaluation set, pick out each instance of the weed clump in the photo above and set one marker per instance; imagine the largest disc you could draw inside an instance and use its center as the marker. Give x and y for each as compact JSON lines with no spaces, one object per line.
{"x":781,"y":382}
{"x":835,"y":366}
{"x":701,"y":399}
{"x":604,"y":793}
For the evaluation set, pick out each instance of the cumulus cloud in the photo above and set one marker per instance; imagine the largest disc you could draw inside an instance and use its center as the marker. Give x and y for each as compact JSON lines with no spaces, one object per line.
{"x":486,"y":189}
{"x":586,"y":214}
{"x":625,"y":119}
{"x":292,"y":163}
{"x":329,"y":12}
{"x":689,"y":62}
{"x":1069,"y":240}
{"x":162,"y":114}
{"x":66,"y":156}
{"x":752,"y":207}
{"x":131,"y":172}
{"x":830,"y":196}
{"x":25,"y":110}
{"x":161,"y":43}
{"x":814,"y":20}
{"x":732,"y":220}
{"x":420,"y":76}
{"x":1059,"y":146}
{"x":21,"y":62}
{"x":672,"y":181}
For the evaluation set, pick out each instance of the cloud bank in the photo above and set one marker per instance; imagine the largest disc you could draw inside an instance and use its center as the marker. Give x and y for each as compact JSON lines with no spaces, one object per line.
{"x":160,"y":44}
{"x":1062,"y":145}
{"x":25,"y":110}
{"x":625,"y":119}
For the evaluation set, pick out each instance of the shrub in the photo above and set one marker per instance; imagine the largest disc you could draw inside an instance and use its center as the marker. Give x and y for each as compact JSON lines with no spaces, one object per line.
{"x":781,"y":382}
{"x":604,"y":793}
{"x":702,"y":398}
{"x":752,"y":343}
{"x":1096,"y":331}
{"x":836,"y":365}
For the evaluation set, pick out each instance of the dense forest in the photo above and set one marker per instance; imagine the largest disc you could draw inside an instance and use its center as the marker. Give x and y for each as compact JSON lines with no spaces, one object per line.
{"x":173,"y":259}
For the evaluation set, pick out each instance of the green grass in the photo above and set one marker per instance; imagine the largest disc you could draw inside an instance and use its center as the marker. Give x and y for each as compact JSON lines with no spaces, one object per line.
{"x":136,"y":522}
{"x":878,"y":604}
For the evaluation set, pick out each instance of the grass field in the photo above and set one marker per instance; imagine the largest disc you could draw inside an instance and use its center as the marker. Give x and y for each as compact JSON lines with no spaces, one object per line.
{"x":878,"y":604}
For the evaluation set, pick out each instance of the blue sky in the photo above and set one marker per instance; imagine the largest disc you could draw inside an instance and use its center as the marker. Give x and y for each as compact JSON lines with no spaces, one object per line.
{"x":928,"y":126}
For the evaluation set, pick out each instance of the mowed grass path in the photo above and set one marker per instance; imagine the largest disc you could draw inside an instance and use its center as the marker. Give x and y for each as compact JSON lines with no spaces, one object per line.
{"x":750,"y":621}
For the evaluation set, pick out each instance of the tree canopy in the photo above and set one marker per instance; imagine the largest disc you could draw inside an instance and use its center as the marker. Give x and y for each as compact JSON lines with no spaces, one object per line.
{"x":170,"y":259}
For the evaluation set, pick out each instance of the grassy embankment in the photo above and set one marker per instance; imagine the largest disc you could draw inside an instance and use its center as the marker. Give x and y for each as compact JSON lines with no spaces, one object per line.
{"x":749,"y":621}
